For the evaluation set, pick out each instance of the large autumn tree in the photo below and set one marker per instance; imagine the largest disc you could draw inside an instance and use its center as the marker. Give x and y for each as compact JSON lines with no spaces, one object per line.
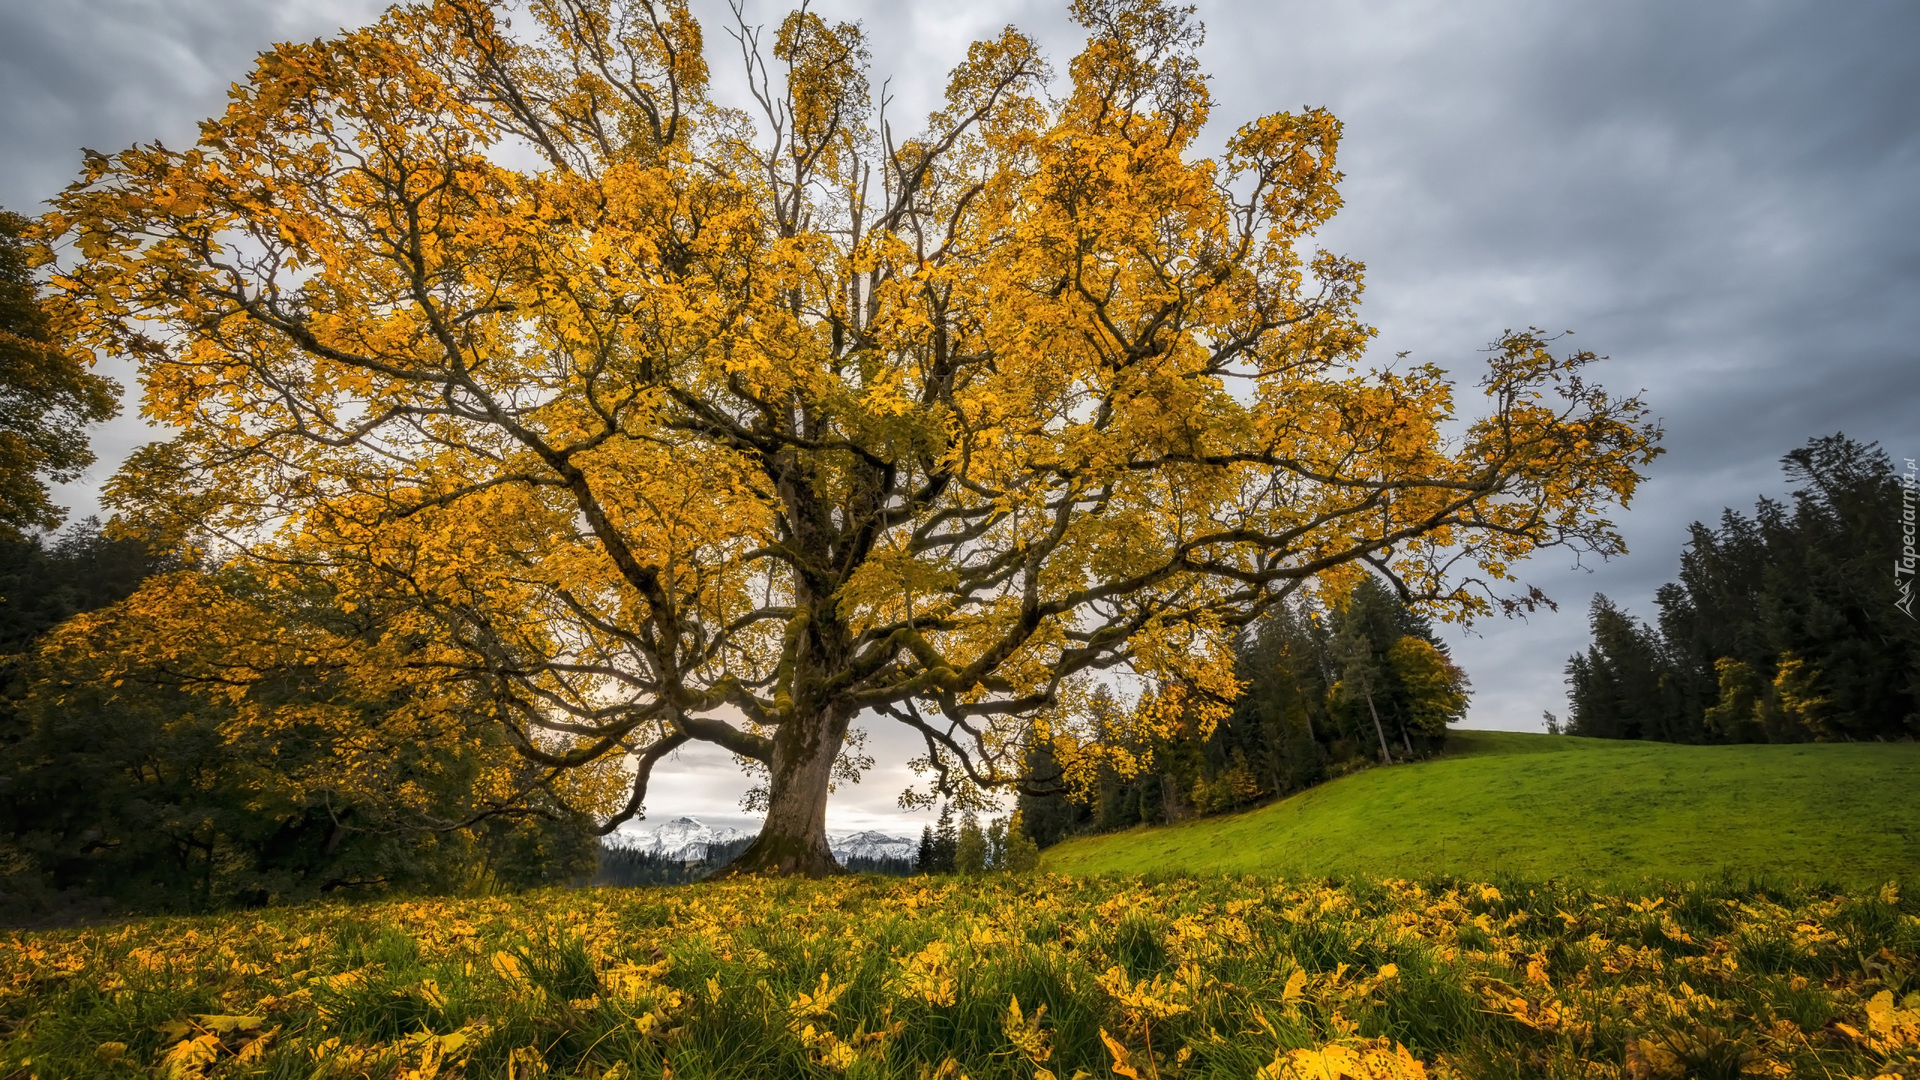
{"x":662,"y":423}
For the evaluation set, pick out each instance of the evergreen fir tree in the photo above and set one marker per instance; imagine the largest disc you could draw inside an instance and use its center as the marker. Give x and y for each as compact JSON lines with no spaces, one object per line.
{"x":946,"y":842}
{"x":1275,"y":720}
{"x":923,"y":859}
{"x":1395,"y":682}
{"x":1624,"y":687}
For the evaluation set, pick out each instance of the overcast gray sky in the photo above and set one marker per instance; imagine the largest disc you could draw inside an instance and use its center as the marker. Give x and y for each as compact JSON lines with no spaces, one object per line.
{"x":1722,"y":196}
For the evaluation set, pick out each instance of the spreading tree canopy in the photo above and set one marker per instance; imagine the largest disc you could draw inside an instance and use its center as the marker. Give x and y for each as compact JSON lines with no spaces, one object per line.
{"x":659,"y":422}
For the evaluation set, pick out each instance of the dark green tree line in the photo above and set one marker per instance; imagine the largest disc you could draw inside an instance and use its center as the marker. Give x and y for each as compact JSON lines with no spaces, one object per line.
{"x":1782,"y":627}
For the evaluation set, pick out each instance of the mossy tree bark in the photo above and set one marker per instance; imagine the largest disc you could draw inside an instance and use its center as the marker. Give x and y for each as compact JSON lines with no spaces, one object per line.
{"x":793,"y":839}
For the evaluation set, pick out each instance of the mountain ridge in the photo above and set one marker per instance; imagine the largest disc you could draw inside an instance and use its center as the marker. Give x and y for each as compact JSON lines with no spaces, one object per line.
{"x":688,"y":839}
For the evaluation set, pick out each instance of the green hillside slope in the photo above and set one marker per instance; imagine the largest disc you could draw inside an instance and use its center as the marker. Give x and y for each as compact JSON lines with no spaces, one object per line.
{"x":1543,"y":806}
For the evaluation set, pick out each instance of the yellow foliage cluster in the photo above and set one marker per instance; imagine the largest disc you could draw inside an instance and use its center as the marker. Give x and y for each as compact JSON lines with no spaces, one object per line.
{"x":1344,"y":1063}
{"x":1037,"y":977}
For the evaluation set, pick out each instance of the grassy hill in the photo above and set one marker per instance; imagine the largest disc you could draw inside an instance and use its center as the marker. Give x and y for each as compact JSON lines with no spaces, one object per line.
{"x":1543,"y":806}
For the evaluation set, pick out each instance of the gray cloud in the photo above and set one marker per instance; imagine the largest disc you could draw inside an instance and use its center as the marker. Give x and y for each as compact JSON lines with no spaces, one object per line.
{"x":1721,"y":196}
{"x":108,"y":73}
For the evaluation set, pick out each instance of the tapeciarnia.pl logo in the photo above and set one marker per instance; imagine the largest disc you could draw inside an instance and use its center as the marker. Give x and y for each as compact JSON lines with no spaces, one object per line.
{"x":1903,"y":566}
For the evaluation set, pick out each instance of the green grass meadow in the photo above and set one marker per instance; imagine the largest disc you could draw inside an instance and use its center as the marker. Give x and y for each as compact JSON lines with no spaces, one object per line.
{"x":1545,"y":806}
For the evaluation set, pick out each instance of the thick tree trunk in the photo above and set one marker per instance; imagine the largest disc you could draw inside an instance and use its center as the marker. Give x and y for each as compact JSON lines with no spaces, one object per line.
{"x":1386,"y":756}
{"x":793,"y":840}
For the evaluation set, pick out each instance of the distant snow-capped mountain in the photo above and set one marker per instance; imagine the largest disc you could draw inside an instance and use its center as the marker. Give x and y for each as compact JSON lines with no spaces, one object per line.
{"x":687,"y":839}
{"x":684,"y":839}
{"x":869,"y":844}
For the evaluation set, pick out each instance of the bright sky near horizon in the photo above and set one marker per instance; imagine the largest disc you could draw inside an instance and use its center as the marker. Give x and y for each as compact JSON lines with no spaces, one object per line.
{"x":1724,"y":197}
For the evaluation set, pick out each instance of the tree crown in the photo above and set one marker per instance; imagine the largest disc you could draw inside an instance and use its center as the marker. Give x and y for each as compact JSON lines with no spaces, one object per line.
{"x":688,"y":429}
